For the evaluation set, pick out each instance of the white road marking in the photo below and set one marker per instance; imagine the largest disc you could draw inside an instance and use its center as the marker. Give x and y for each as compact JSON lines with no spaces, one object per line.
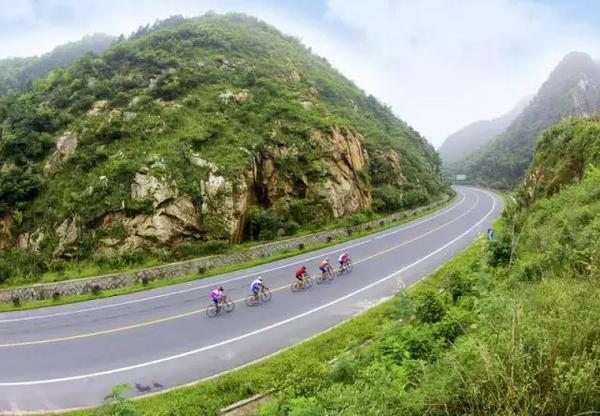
{"x":195,"y":288}
{"x":258,"y":331}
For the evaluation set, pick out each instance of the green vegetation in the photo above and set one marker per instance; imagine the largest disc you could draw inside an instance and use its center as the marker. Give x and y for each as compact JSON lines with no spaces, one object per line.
{"x":573,"y":88}
{"x":301,"y":370}
{"x":507,"y":327}
{"x":18,"y":74}
{"x":153,"y":284}
{"x":239,"y":132}
{"x":551,"y":170}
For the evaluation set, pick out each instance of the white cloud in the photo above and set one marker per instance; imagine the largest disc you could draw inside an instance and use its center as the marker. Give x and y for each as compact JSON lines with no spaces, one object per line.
{"x":440,"y":64}
{"x":443,"y":64}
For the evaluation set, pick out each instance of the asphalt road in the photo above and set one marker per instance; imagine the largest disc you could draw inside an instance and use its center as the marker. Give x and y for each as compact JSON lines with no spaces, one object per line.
{"x":71,"y":356}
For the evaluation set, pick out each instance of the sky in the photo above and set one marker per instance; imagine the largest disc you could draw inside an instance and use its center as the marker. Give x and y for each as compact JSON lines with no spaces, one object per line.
{"x":440,"y":64}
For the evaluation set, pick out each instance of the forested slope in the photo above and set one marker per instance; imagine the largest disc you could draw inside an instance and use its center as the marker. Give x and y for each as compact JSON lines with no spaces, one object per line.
{"x":191,"y":131}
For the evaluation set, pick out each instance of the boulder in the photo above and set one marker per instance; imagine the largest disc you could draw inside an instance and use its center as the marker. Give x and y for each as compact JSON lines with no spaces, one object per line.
{"x":65,"y":147}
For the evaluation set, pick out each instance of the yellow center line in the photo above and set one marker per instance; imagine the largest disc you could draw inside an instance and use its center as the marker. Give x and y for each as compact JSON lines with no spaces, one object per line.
{"x":197,"y":311}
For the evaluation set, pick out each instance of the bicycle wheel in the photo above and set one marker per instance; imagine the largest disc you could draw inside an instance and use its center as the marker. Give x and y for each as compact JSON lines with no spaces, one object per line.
{"x":211,"y":310}
{"x":308,"y":282}
{"x":349,"y":266}
{"x":266,"y":295}
{"x":228,"y":305}
{"x":251,"y":301}
{"x":295,"y":286}
{"x":321,"y":278}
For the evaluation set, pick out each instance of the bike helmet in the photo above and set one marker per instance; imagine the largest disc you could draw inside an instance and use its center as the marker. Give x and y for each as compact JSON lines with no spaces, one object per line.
{"x":260,"y":278}
{"x":221,"y":288}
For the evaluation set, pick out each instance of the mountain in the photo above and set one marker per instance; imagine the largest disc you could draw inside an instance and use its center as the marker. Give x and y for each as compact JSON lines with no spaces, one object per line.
{"x":19,"y":73}
{"x":213,"y":128}
{"x":573,"y":88}
{"x":476,"y":135}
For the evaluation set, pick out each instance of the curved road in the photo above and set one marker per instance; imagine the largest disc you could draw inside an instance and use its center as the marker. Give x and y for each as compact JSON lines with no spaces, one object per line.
{"x":71,"y":356}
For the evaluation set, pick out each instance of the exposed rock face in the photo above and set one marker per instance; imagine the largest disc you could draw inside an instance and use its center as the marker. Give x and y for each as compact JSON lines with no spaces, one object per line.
{"x":174,"y":218}
{"x":225,"y":201}
{"x":68,"y":234}
{"x":170,"y":224}
{"x":65,"y":147}
{"x":148,"y":186}
{"x":344,"y":189}
{"x":30,"y":242}
{"x":225,"y":206}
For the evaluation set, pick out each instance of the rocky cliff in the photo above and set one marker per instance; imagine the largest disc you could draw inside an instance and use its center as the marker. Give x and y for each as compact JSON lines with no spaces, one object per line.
{"x":214,"y":128}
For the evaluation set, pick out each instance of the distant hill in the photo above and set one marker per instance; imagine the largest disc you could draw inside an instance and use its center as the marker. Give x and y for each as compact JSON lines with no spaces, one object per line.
{"x":573,"y":88}
{"x":476,"y":135}
{"x":19,"y":73}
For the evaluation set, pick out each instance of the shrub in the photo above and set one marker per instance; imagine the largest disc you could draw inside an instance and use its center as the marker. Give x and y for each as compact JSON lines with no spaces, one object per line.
{"x":429,"y":308}
{"x":117,"y":405}
{"x":201,"y":248}
{"x":6,"y":271}
{"x":96,"y":289}
{"x":305,"y":407}
{"x":457,"y":285}
{"x":343,"y":371}
{"x":419,"y":342}
{"x":452,"y":325}
{"x":499,"y":250}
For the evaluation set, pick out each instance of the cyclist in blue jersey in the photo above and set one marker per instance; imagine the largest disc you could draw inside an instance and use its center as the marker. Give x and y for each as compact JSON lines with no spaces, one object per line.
{"x":256,"y":286}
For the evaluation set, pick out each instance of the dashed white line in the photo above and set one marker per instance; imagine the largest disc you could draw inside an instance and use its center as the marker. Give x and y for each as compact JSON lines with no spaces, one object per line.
{"x":233,"y":279}
{"x":256,"y":332}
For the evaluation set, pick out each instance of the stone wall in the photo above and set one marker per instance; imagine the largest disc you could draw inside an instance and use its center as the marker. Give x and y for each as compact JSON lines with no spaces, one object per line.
{"x":199,"y":265}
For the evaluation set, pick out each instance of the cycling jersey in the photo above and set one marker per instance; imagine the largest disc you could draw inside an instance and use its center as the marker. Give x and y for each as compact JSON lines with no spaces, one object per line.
{"x":255,"y":286}
{"x":300,"y":273}
{"x":344,"y":258}
{"x":216,"y":294}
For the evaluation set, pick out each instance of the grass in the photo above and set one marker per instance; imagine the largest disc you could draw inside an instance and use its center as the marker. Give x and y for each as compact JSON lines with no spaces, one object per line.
{"x":301,"y":370}
{"x":154,"y":284}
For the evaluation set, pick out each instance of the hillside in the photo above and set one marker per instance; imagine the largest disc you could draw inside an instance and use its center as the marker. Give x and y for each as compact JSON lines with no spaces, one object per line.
{"x":573,"y":88}
{"x":509,"y":327}
{"x":19,"y":73}
{"x":474,"y":136}
{"x":191,"y":131}
{"x":578,"y":139}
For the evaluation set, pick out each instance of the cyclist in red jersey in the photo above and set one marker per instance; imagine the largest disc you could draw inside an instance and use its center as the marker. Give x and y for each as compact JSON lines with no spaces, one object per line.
{"x":300,"y":273}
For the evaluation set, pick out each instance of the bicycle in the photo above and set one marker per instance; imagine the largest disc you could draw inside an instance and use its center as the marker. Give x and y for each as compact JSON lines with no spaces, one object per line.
{"x":225,"y":305}
{"x":327,"y":275}
{"x":306,"y":284}
{"x":345,"y":268}
{"x":264,"y":295}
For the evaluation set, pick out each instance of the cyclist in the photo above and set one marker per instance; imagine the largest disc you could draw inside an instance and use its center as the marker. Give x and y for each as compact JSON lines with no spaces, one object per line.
{"x":300,"y":274}
{"x":256,"y":286}
{"x":324,"y":266}
{"x":344,"y":259}
{"x":217,"y":296}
